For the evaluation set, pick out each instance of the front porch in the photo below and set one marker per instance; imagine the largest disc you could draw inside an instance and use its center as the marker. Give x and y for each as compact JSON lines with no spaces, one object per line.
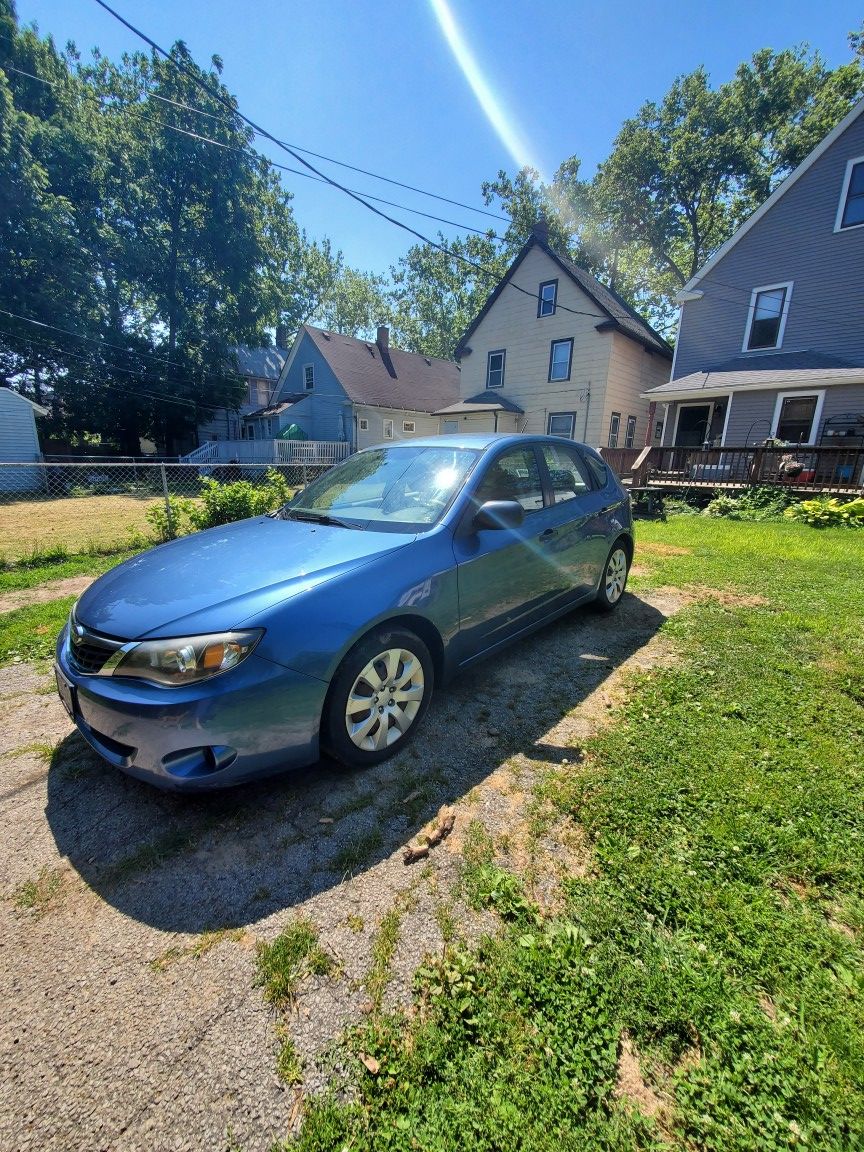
{"x":804,"y":470}
{"x":319,"y":452}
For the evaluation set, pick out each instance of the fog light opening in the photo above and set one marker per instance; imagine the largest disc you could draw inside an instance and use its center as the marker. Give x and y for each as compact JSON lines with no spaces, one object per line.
{"x":191,"y":762}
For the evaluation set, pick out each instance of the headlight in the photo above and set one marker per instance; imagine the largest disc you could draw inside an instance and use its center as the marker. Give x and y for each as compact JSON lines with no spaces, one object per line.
{"x":186,"y":659}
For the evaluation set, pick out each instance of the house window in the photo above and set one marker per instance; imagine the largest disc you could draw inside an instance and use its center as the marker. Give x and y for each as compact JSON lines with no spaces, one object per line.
{"x":850,"y":214}
{"x":388,"y":429}
{"x":495,"y":369}
{"x":547,"y":298}
{"x":767,"y":317}
{"x":631,"y":432}
{"x":364,"y":424}
{"x":560,"y":358}
{"x":658,"y":431}
{"x":308,"y":377}
{"x":614,"y":429}
{"x":561,"y":424}
{"x":796,"y":416}
{"x":408,"y":426}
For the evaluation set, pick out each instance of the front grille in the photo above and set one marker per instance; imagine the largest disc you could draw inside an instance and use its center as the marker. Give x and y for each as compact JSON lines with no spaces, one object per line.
{"x":88,"y":651}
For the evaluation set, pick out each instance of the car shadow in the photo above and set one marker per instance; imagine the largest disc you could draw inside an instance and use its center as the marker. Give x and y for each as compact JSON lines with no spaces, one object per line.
{"x":227,"y":859}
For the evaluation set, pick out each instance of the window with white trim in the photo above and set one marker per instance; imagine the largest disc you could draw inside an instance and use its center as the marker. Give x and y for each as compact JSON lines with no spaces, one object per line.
{"x":388,"y":429}
{"x":408,"y":426}
{"x":561,"y":424}
{"x":495,"y":368}
{"x":547,"y":298}
{"x":658,"y":431}
{"x":308,"y":377}
{"x":560,"y":358}
{"x":766,"y":320}
{"x":795,"y":417}
{"x":614,"y":429}
{"x":850,"y":214}
{"x":630,"y":436}
{"x":363,"y":424}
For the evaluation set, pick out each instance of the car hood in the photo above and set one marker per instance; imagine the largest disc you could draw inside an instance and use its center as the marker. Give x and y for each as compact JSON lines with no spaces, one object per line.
{"x":214,"y":580}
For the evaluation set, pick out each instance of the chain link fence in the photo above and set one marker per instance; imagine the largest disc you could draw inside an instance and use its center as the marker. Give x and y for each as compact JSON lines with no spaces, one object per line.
{"x":51,"y":509}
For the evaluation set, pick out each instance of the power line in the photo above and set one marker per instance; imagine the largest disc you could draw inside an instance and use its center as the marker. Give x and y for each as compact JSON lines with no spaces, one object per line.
{"x":266,"y":159}
{"x":218,"y":96}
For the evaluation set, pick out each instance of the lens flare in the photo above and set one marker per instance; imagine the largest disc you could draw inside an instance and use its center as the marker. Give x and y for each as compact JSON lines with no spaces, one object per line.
{"x":492,"y":104}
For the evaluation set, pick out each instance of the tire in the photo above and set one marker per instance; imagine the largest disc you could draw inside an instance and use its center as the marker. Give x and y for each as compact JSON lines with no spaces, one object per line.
{"x":614,"y":578}
{"x":382,"y":663}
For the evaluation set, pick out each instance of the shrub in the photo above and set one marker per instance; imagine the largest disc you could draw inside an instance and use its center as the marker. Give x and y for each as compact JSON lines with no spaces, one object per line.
{"x":225,"y":503}
{"x":171,"y":521}
{"x":760,"y":503}
{"x":829,"y":513}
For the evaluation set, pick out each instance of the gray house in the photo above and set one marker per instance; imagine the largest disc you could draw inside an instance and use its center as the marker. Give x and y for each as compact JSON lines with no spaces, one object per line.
{"x":771,"y":335}
{"x":19,"y":441}
{"x":260,"y":369}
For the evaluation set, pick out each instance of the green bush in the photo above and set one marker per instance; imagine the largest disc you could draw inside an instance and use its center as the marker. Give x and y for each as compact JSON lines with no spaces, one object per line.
{"x":171,"y":521}
{"x":822,"y":513}
{"x":225,"y":503}
{"x":760,"y":503}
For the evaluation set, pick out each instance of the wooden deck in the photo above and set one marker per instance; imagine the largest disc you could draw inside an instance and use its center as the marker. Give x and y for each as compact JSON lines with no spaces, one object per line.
{"x":804,"y":471}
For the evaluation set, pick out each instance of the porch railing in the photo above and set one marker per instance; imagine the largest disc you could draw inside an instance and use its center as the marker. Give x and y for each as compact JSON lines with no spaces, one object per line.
{"x":803,"y":469}
{"x":269,"y":452}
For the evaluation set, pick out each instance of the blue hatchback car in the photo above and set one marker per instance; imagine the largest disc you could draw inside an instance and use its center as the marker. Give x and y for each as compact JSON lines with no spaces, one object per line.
{"x":250,"y":648}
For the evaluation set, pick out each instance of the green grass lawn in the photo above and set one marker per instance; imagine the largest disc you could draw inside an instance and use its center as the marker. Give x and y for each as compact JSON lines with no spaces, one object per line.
{"x":719,"y":930}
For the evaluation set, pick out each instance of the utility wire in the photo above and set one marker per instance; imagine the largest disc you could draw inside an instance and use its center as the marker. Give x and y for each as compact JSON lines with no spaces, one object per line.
{"x":214,"y":94}
{"x":265,"y":159}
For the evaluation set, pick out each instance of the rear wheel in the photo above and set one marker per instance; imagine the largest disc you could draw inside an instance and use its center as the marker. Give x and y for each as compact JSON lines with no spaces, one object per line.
{"x":614,"y":579}
{"x":377,"y":698}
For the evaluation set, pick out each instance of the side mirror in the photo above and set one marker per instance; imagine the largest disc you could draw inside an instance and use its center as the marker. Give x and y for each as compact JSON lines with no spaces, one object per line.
{"x":499,"y":514}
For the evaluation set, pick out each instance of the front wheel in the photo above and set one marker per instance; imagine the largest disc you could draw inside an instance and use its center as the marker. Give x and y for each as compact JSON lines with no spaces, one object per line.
{"x":377,"y":698}
{"x":614,"y":579}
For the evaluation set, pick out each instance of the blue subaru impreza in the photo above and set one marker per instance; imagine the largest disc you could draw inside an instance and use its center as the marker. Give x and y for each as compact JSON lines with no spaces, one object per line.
{"x":250,"y":648}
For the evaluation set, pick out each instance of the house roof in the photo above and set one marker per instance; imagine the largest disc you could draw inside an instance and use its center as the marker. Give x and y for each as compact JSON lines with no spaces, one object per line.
{"x":779,"y":191}
{"x":261,"y":363}
{"x":388,"y":377}
{"x":37,"y":408}
{"x":619,"y":315}
{"x":768,"y":370}
{"x":487,"y":401}
{"x":287,"y":401}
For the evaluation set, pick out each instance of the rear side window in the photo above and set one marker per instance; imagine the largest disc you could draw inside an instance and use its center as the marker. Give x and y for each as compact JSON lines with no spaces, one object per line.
{"x":567,"y":474}
{"x":598,"y":469}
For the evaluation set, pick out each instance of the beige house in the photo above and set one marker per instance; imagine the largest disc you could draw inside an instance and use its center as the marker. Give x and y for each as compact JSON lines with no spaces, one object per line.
{"x":555,"y":351}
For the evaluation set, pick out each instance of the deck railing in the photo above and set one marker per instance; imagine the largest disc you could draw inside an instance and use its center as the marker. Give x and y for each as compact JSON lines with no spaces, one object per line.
{"x":269,"y":452}
{"x":802,"y":469}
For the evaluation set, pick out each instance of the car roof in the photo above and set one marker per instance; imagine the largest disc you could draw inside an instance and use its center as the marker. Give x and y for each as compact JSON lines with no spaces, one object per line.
{"x":477,"y":440}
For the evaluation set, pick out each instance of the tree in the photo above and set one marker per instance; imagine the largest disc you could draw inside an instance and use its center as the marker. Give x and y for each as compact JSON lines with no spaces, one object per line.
{"x":436,"y":294}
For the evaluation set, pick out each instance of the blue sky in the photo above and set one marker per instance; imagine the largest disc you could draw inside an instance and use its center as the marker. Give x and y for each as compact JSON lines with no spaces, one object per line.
{"x":377,"y":84}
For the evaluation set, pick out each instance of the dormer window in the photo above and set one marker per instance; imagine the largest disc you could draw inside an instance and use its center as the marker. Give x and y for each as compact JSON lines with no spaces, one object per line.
{"x":766,"y":320}
{"x":547,"y":298}
{"x":850,"y":214}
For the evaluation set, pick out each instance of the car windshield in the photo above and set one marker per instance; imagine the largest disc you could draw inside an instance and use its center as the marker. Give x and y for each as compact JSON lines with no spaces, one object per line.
{"x":405,"y":488}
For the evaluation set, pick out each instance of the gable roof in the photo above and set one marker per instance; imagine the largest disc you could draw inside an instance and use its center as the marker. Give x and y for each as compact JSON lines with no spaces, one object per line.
{"x":383,"y":377}
{"x":781,"y":190}
{"x":620,"y":316}
{"x":37,"y":408}
{"x":260,"y":363}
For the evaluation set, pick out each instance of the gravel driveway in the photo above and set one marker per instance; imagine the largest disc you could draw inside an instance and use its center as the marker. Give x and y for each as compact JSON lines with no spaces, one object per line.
{"x":130,"y":1017}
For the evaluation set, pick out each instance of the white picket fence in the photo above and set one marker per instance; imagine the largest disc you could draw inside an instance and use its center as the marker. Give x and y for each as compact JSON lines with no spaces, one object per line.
{"x":317,"y":452}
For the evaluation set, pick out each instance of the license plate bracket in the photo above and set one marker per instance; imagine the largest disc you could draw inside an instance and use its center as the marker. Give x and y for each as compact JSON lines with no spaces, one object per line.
{"x":67,"y":692}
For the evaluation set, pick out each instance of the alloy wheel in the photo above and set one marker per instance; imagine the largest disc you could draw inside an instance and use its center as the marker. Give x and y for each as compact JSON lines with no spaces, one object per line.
{"x":385,"y":699}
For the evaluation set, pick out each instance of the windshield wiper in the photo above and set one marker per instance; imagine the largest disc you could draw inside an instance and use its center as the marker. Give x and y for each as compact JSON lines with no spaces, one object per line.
{"x":316,"y":517}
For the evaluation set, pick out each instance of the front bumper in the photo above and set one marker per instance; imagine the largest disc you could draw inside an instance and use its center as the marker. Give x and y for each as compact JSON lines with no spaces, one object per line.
{"x":257,"y":719}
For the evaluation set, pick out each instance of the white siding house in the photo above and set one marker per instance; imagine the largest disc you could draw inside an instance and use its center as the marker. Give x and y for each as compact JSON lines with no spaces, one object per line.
{"x":555,"y":351}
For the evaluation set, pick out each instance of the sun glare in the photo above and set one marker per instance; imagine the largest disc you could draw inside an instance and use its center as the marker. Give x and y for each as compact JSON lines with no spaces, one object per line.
{"x":492,"y":104}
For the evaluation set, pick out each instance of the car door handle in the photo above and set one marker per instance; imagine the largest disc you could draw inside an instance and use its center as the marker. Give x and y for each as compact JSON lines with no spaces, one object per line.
{"x":549,"y":534}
